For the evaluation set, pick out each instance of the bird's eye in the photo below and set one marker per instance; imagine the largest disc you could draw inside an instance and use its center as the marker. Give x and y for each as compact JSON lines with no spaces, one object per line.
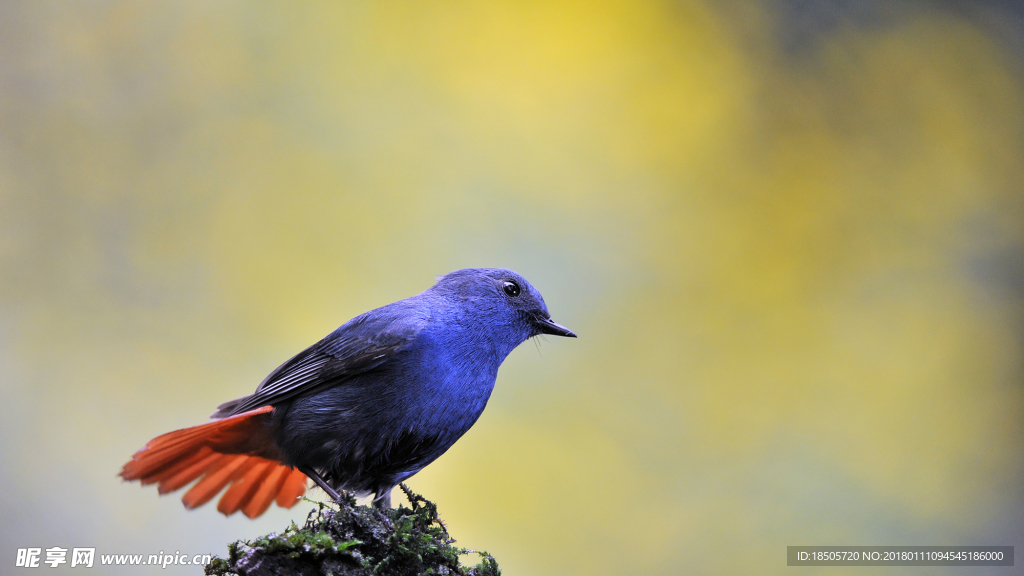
{"x":511,"y":288}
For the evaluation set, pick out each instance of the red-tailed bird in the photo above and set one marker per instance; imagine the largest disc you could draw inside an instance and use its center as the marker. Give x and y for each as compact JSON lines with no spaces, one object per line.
{"x":361,"y":410}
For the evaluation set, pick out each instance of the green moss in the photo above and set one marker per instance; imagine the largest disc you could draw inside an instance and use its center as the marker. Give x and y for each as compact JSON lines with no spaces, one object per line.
{"x":356,"y":540}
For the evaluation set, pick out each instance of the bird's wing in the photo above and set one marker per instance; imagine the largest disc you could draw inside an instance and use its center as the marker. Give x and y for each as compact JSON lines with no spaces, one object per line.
{"x":359,"y":345}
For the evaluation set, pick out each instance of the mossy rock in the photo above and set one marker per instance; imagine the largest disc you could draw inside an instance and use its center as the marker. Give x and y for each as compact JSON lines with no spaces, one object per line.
{"x":356,"y":540}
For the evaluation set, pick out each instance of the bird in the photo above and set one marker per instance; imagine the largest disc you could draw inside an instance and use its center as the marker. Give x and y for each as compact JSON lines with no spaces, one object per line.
{"x":363,"y":409}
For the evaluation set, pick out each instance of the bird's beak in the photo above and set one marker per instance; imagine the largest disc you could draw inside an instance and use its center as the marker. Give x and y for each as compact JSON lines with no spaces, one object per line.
{"x":547,"y":326}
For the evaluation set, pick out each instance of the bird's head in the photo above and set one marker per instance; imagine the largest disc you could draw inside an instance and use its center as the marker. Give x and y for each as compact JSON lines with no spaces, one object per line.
{"x":504,"y":300}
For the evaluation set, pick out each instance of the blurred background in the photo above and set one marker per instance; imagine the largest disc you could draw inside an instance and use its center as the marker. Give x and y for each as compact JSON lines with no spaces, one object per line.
{"x":790,"y":235}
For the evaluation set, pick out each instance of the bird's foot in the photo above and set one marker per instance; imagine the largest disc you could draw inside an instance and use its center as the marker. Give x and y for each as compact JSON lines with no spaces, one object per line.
{"x":383,"y":501}
{"x":334,"y":494}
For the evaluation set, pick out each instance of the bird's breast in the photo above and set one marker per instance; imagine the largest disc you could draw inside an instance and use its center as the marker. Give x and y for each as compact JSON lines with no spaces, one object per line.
{"x":453,"y":389}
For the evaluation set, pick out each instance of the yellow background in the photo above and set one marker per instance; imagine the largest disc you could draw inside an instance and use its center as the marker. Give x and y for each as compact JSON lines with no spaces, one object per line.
{"x":794,"y":254}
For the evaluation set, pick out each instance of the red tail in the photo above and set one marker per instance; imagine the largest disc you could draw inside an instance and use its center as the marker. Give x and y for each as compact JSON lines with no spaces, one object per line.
{"x":235,"y":451}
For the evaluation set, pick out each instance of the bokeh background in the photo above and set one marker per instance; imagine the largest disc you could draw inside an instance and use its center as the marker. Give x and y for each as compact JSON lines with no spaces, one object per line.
{"x":789,"y":233}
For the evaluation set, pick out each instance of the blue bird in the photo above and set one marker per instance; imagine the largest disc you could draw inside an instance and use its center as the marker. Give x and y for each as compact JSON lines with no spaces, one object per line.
{"x":363,"y":409}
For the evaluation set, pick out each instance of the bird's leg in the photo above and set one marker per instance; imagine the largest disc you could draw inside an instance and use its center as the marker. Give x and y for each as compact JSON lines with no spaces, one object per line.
{"x":383,"y":500}
{"x":321,"y":483}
